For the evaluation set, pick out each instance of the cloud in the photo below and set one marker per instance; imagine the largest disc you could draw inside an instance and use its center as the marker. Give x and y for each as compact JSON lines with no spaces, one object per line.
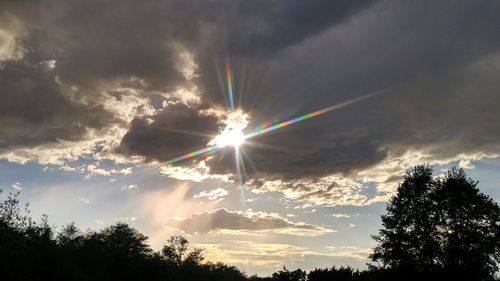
{"x":344,"y":215}
{"x":84,"y":200}
{"x":176,"y":130}
{"x":216,"y":195}
{"x":326,"y":191}
{"x":17,"y":186}
{"x":196,"y":172}
{"x":64,"y":98}
{"x":466,"y":164}
{"x":276,"y":254}
{"x":222,"y":220}
{"x":128,"y":187}
{"x":350,"y":252}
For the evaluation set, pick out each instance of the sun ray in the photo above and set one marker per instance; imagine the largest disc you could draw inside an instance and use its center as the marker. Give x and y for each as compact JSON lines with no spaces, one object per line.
{"x":271,"y":128}
{"x":229,"y":83}
{"x":192,"y":154}
{"x":312,"y":114}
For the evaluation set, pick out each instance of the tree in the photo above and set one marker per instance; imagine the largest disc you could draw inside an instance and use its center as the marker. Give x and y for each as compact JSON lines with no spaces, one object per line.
{"x":407,"y":239}
{"x":440,"y":224}
{"x":287,"y":275}
{"x":122,"y":239}
{"x":338,"y":274}
{"x":469,"y":227}
{"x":70,"y":236}
{"x":176,"y":252}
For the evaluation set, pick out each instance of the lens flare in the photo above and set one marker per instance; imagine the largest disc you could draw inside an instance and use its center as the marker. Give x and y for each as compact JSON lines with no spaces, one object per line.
{"x":233,"y":137}
{"x":229,"y":83}
{"x":312,"y":114}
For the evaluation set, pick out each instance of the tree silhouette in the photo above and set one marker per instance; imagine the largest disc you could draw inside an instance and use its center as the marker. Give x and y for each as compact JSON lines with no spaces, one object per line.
{"x":440,"y":224}
{"x":125,"y":240}
{"x":176,"y":252}
{"x":469,"y":226}
{"x":338,"y":274}
{"x":408,"y":237}
{"x":287,"y":275}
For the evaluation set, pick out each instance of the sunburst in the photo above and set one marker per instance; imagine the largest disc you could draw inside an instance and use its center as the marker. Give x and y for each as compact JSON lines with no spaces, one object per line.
{"x":233,"y":135}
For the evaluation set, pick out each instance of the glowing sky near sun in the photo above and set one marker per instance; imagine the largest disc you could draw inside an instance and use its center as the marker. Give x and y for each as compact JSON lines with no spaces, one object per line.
{"x":228,"y":136}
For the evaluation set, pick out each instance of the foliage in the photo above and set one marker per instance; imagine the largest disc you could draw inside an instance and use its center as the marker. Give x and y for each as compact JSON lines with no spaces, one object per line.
{"x":286,"y":275}
{"x":176,"y":252}
{"x":340,"y":274}
{"x":31,"y":251}
{"x":440,"y":225}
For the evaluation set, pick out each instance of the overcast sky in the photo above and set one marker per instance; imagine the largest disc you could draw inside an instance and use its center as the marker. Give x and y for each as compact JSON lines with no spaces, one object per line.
{"x":97,"y":96}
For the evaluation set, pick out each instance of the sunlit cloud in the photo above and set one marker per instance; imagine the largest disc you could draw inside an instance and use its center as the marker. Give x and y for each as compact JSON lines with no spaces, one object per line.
{"x":344,"y":215}
{"x":222,"y":219}
{"x":128,"y":187}
{"x":10,"y":49}
{"x":197,"y":173}
{"x":17,"y":186}
{"x":185,"y":63}
{"x":326,"y":191}
{"x":276,"y":254}
{"x":213,"y":195}
{"x":86,"y":201}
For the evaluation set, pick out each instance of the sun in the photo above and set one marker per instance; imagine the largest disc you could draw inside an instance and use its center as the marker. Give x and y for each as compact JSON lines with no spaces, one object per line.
{"x":232,"y":135}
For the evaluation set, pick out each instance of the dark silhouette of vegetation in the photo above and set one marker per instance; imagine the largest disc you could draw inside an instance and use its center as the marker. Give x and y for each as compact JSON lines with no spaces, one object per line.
{"x":440,"y":225}
{"x":32,"y":251}
{"x":435,"y":229}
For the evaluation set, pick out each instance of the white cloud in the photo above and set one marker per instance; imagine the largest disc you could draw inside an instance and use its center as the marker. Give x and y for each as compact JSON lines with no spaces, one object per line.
{"x":344,"y":215}
{"x":185,"y":63}
{"x":349,"y":252}
{"x":94,"y":170}
{"x":275,"y":254}
{"x":128,"y":187}
{"x":196,"y":173}
{"x":326,"y":191}
{"x":84,"y":200}
{"x":466,"y":164}
{"x":213,"y":195}
{"x":9,"y":49}
{"x":67,"y":168}
{"x":50,"y":64}
{"x":17,"y":186}
{"x":126,"y":171}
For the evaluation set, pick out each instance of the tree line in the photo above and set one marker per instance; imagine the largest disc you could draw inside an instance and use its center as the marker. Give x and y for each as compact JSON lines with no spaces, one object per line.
{"x":440,"y":228}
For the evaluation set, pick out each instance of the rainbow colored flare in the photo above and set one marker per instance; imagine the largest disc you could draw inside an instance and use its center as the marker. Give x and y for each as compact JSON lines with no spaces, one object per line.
{"x":309,"y":115}
{"x":281,"y":125}
{"x":192,"y":154}
{"x":229,"y":84}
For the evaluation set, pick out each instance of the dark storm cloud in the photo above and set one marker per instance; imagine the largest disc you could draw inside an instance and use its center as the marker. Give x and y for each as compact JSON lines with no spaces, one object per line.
{"x":101,"y":45}
{"x":34,"y":110}
{"x":174,"y":131}
{"x":438,"y":60}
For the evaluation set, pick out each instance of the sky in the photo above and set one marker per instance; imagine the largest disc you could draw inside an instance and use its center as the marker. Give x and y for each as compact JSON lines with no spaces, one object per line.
{"x":100,"y":101}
